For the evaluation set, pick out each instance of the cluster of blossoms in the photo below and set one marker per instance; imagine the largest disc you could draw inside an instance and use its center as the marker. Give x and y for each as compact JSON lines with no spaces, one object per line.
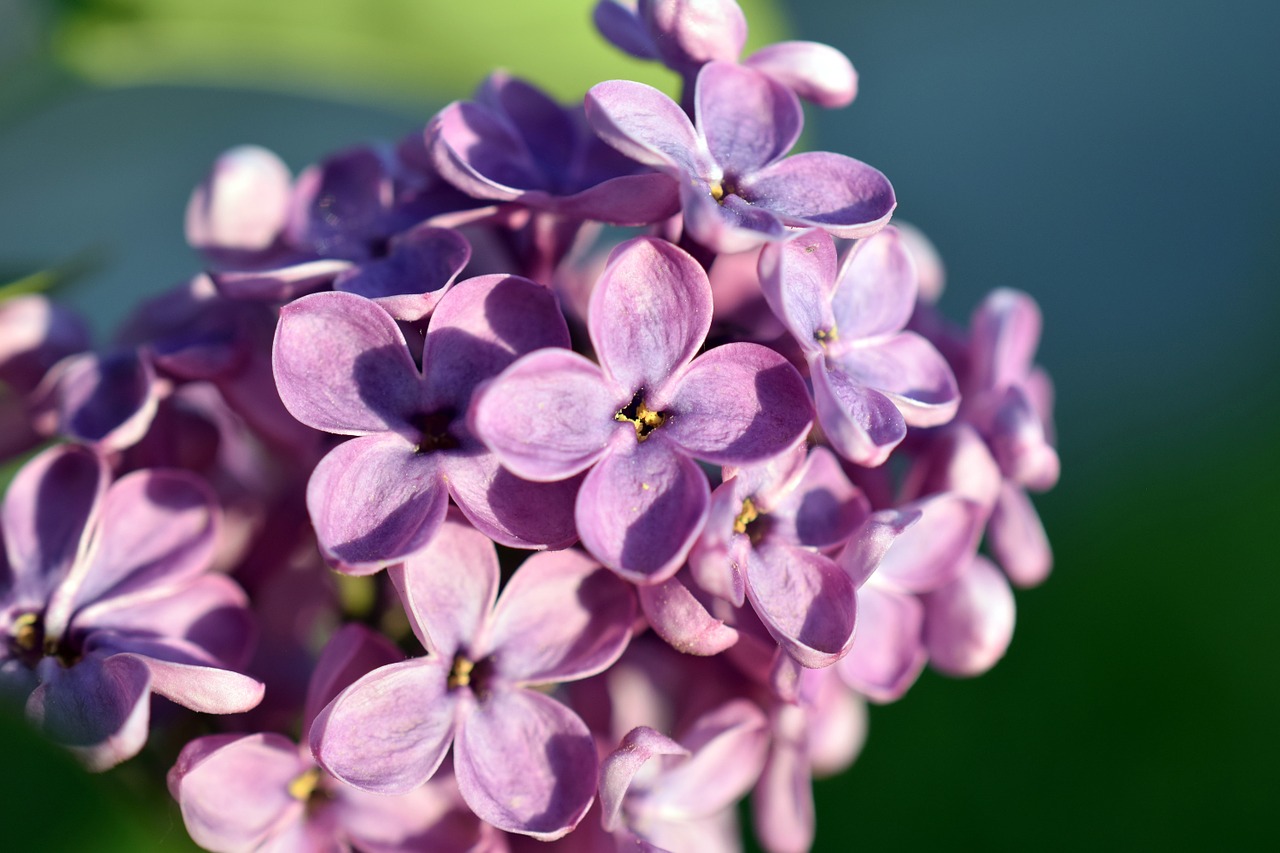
{"x":755,"y":462}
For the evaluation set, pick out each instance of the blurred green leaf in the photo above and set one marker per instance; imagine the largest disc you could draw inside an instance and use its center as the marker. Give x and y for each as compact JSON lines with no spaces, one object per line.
{"x":404,"y":52}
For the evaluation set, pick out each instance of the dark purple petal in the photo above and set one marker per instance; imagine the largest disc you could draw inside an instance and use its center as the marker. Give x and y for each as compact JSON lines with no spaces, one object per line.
{"x":649,"y":314}
{"x":889,"y":653}
{"x":875,"y":291}
{"x":676,"y":614}
{"x":969,"y":622}
{"x":624,"y":200}
{"x":844,"y":196}
{"x":805,"y":600}
{"x":816,"y":72}
{"x":548,"y":416}
{"x":351,"y":652}
{"x":546,"y":130}
{"x":53,"y":500}
{"x":478,"y":151}
{"x":798,"y":278}
{"x":561,"y":617}
{"x":863,"y":425}
{"x":234,"y":793}
{"x":415,"y":274}
{"x":99,"y":708}
{"x":620,"y":767}
{"x":341,"y":204}
{"x":646,"y":126}
{"x":374,"y":500}
{"x":241,"y":206}
{"x":526,"y":764}
{"x":822,"y":509}
{"x":108,"y":400}
{"x":511,"y":511}
{"x":737,"y":404}
{"x":1017,"y":539}
{"x":448,"y":590}
{"x":748,"y":119}
{"x":641,"y":507}
{"x":343,"y":366}
{"x":618,"y":22}
{"x":390,"y":730}
{"x":482,"y":326}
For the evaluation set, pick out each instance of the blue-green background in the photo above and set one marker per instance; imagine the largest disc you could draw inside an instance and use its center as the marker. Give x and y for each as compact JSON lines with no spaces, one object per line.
{"x":1118,"y":160}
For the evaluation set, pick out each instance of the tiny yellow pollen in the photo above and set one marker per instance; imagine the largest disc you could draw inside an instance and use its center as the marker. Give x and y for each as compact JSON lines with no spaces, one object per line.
{"x":24,"y":634}
{"x":717,"y":190}
{"x":644,"y":486}
{"x":460,"y":675}
{"x":749,"y":514}
{"x":304,"y":785}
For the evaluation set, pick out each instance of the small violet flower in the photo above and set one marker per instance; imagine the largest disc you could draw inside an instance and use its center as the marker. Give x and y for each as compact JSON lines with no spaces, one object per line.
{"x":105,"y":599}
{"x":343,"y":366}
{"x":524,"y":762}
{"x":638,"y":420}
{"x":738,"y":188}
{"x":871,"y":379}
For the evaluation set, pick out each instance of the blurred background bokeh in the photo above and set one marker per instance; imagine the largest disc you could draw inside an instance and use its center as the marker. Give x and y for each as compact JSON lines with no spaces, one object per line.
{"x":1118,"y":160}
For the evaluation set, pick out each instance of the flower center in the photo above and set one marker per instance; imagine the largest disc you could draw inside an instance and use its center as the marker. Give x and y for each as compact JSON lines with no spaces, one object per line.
{"x":641,"y":416}
{"x":434,"y":430}
{"x":26,"y":632}
{"x":826,"y":336}
{"x":460,"y":674}
{"x":28,"y":642}
{"x":304,"y":785}
{"x":749,"y":514}
{"x":724,"y":187}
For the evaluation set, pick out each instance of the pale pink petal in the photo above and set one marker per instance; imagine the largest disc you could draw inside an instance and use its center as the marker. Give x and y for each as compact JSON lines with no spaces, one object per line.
{"x":1017,"y":539}
{"x":676,"y":614}
{"x":845,"y":197}
{"x":969,"y":622}
{"x":888,"y":653}
{"x":863,"y":425}
{"x":620,"y":767}
{"x":814,"y":71}
{"x":875,"y":290}
{"x":805,"y":600}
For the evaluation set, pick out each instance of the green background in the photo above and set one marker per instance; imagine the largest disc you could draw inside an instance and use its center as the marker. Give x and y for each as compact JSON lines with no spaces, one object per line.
{"x":1118,"y":160}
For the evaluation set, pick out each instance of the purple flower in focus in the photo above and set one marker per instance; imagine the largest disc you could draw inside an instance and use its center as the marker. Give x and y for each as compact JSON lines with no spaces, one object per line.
{"x":105,"y":599}
{"x":738,"y":188}
{"x":263,"y":791}
{"x":871,"y":379}
{"x":639,"y":419}
{"x":343,"y":366}
{"x":524,"y":762}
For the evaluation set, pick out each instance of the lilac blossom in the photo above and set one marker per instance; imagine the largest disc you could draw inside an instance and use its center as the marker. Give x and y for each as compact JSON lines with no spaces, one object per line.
{"x":738,"y":188}
{"x":762,"y":542}
{"x":104,"y":599}
{"x":897,"y":555}
{"x":686,"y":34}
{"x":263,"y":791}
{"x":343,"y":366}
{"x":969,"y":621}
{"x":871,"y":379}
{"x":637,"y":421}
{"x":672,"y":795}
{"x":524,"y":762}
{"x":34,"y":335}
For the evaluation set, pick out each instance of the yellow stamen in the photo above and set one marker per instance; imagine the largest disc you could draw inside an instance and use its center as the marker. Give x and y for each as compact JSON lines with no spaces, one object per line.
{"x":749,"y":514}
{"x":717,"y":190}
{"x":304,"y":786}
{"x":645,"y":421}
{"x":460,"y":675}
{"x":25,"y":634}
{"x":827,"y":336}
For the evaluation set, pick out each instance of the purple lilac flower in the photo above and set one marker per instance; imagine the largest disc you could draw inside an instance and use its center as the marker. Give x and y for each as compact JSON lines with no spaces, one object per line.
{"x":686,"y":34}
{"x":896,"y":556}
{"x":104,"y":399}
{"x":104,"y":599}
{"x":672,"y":795}
{"x":263,"y":791}
{"x":343,"y":366}
{"x":34,"y":335}
{"x":738,"y":188}
{"x":762,"y":542}
{"x":871,"y":379}
{"x":968,"y":622}
{"x":524,"y":762}
{"x":637,"y":421}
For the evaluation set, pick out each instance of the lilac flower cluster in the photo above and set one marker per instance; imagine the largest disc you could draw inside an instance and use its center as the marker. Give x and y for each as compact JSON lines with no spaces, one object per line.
{"x":755,"y":463}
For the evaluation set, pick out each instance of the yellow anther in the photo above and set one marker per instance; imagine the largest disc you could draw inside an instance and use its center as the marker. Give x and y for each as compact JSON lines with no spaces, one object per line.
{"x":826,"y":336}
{"x":460,"y":675}
{"x":304,"y":785}
{"x":749,"y":514}
{"x":25,"y":634}
{"x":717,"y":190}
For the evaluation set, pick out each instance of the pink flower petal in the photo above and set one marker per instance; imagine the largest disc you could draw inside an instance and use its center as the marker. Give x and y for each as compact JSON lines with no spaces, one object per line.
{"x":844,"y":196}
{"x":748,"y":119}
{"x":816,"y":72}
{"x":805,"y":600}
